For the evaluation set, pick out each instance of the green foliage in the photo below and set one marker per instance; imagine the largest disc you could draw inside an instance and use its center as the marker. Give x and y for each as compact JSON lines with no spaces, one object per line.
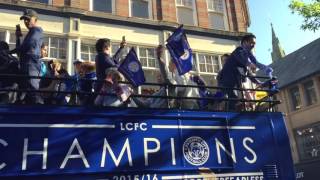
{"x":309,"y":11}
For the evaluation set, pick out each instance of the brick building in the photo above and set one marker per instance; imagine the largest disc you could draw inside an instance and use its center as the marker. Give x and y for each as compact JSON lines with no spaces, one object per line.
{"x":71,"y":28}
{"x":299,"y":82}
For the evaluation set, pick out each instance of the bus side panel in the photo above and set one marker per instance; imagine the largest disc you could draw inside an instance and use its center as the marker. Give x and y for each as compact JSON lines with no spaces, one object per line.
{"x":83,"y":143}
{"x":282,"y":145}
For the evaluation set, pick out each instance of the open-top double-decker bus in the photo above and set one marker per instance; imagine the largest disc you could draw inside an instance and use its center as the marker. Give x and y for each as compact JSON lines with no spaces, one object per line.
{"x":106,"y":143}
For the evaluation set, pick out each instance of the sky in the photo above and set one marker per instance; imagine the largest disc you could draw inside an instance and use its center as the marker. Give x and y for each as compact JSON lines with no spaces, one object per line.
{"x":285,"y":24}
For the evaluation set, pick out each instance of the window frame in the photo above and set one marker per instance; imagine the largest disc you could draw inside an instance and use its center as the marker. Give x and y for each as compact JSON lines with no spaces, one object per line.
{"x":113,"y":7}
{"x":149,"y":9}
{"x":75,"y":24}
{"x":10,"y":43}
{"x":221,"y":13}
{"x":214,"y":10}
{"x":205,"y":63}
{"x":59,"y":48}
{"x":206,"y":74}
{"x":7,"y":37}
{"x":89,"y":53}
{"x":193,"y":8}
{"x":183,"y":5}
{"x":302,"y":137}
{"x":307,"y":89}
{"x":138,"y":49}
{"x":298,"y":105}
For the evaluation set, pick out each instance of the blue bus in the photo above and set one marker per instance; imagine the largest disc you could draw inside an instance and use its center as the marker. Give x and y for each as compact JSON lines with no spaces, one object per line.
{"x":51,"y":142}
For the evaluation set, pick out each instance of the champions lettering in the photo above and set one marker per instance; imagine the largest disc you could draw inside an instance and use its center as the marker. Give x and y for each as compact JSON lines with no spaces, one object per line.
{"x":196,"y":151}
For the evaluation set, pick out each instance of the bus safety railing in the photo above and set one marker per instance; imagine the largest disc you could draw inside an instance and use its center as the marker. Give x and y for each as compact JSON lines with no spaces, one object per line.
{"x":267,"y":103}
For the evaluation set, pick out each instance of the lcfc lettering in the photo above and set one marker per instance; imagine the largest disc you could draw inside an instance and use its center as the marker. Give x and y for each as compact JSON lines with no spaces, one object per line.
{"x":133,"y":126}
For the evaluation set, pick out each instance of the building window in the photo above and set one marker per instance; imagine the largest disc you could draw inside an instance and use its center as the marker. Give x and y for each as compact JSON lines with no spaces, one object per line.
{"x":12,"y":40}
{"x":310,"y":93}
{"x":88,"y":52}
{"x":141,"y":8}
{"x":208,"y":63}
{"x":42,"y":1}
{"x":102,"y":5}
{"x":2,"y":35}
{"x":114,"y":48}
{"x":57,"y":47}
{"x":216,"y":10}
{"x":308,"y":142}
{"x":147,"y":57}
{"x":194,"y":62}
{"x":74,"y":54}
{"x":75,"y":24}
{"x":185,"y":3}
{"x":295,"y":98}
{"x":186,"y":13}
{"x":67,"y":2}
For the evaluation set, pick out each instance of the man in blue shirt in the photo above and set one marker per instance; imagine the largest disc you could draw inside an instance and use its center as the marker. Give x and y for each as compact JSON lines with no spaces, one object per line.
{"x":30,"y":54}
{"x":238,"y":65}
{"x":104,"y":61}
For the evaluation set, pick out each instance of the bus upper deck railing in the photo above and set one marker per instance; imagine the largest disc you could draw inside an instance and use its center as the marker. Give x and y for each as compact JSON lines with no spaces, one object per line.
{"x":214,"y":103}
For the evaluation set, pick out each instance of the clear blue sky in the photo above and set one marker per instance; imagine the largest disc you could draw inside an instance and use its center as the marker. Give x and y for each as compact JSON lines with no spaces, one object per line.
{"x":286,"y":25}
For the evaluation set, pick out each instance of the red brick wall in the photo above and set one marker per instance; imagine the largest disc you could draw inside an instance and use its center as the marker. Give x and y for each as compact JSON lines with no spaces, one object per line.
{"x":76,"y":3}
{"x":245,"y":21}
{"x":202,"y":13}
{"x":155,"y":10}
{"x":122,"y":8}
{"x":81,"y":4}
{"x":84,"y":4}
{"x":168,"y":10}
{"x":240,"y":16}
{"x":236,"y":16}
{"x":165,"y":10}
{"x":231,"y":17}
{"x":58,"y":2}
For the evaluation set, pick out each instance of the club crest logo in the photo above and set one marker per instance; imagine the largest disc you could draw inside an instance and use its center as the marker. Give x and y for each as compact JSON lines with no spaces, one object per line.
{"x":186,"y":55}
{"x":196,"y":151}
{"x":133,"y":67}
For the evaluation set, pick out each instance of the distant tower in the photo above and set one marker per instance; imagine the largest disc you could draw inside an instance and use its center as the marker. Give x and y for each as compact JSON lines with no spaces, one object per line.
{"x":277,"y":51}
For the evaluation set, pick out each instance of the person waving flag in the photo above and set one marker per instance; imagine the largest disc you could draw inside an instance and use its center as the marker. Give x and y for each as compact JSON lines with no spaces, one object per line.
{"x":180,"y":50}
{"x":132,"y":70}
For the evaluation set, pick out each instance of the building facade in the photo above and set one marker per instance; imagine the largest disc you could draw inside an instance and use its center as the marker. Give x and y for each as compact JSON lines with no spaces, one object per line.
{"x":71,"y":28}
{"x":299,"y":78}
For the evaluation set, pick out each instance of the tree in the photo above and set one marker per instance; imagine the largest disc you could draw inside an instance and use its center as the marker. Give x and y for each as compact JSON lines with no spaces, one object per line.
{"x":309,"y":11}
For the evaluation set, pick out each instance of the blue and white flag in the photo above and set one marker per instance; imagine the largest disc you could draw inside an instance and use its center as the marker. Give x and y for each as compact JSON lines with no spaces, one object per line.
{"x":180,"y":50}
{"x":131,"y":68}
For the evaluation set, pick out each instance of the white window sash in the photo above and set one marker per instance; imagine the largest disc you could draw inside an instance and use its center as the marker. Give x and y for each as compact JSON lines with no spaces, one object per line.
{"x":194,"y":11}
{"x":223,"y":14}
{"x":112,"y":4}
{"x":149,"y":8}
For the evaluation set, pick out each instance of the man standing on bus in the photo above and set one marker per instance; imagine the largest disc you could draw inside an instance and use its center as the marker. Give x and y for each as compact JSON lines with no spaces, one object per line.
{"x":30,"y":54}
{"x":240,"y":62}
{"x":104,"y":61}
